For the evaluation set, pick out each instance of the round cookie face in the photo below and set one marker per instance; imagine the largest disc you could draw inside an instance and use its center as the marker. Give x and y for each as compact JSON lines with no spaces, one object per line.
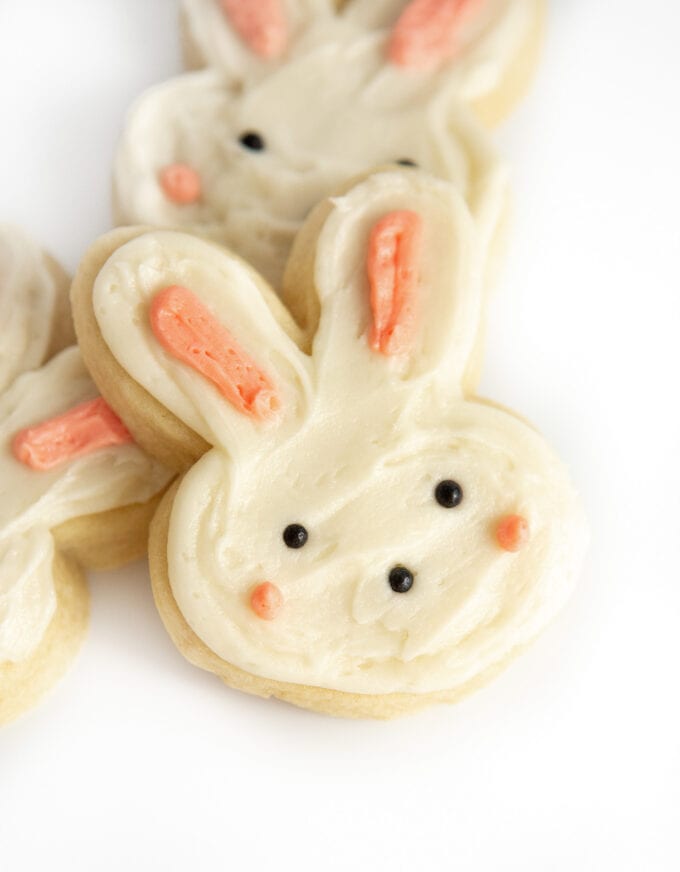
{"x":265,"y":155}
{"x":69,"y":472}
{"x":361,"y":527}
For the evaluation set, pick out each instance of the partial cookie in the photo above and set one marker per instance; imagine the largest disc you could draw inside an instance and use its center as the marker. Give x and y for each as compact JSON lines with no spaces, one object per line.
{"x":36,"y":316}
{"x":364,"y":537}
{"x":486,"y":49}
{"x":74,"y":489}
{"x":246,"y":166}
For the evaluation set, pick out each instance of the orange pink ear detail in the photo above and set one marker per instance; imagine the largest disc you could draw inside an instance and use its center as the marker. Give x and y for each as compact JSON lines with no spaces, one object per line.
{"x":427,"y":31}
{"x":192,"y":334}
{"x":82,"y":430}
{"x":261,"y":24}
{"x":393,"y":263}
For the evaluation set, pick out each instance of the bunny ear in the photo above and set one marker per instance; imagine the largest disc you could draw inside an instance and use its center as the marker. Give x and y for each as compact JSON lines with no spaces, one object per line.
{"x":477,"y":47}
{"x":200,"y":331}
{"x":248,"y":168}
{"x":387,"y":276}
{"x":64,"y":455}
{"x":247,"y":40}
{"x":36,"y":319}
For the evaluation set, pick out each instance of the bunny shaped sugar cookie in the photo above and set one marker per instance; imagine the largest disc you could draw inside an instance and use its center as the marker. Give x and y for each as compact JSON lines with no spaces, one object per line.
{"x":363,"y":537}
{"x":243,"y":159}
{"x":74,"y":490}
{"x":487,"y":49}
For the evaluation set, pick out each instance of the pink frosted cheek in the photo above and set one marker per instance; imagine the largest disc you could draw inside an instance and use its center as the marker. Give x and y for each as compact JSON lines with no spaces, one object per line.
{"x":180,"y":183}
{"x":266,"y":601}
{"x":512,"y":532}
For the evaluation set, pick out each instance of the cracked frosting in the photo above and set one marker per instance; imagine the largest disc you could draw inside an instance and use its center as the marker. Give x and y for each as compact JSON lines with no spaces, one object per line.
{"x":392,"y":589}
{"x":324,"y":118}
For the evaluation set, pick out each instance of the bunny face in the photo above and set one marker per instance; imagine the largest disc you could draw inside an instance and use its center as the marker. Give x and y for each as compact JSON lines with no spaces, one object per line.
{"x":50,"y":473}
{"x":475,"y":43}
{"x":360,"y":524}
{"x":246,"y":165}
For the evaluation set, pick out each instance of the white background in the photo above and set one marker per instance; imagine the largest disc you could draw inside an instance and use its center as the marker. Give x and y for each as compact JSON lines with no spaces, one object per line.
{"x":570,"y":761}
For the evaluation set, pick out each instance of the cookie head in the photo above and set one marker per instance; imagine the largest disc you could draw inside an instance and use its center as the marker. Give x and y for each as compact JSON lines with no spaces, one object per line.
{"x":361,"y":525}
{"x":246,"y":164}
{"x":249,"y":40}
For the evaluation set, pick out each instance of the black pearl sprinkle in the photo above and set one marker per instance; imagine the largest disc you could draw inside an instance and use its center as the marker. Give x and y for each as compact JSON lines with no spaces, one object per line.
{"x":448,"y":494}
{"x":406,"y":162}
{"x":252,"y":140}
{"x":401,"y":579}
{"x":295,"y":536}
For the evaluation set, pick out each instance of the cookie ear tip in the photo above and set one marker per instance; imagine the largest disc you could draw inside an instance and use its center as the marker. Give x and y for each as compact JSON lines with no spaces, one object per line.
{"x":267,"y":403}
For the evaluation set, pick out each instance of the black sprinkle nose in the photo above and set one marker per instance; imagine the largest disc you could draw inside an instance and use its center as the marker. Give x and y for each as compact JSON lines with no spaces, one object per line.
{"x":406,"y":162}
{"x":448,"y":494}
{"x":401,"y":579}
{"x":295,"y":535}
{"x":252,"y":140}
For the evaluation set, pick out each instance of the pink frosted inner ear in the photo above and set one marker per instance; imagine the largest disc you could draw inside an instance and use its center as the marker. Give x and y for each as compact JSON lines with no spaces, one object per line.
{"x":393,"y":264}
{"x":427,"y":32}
{"x":85,"y":428}
{"x":190,"y":333}
{"x":261,"y":24}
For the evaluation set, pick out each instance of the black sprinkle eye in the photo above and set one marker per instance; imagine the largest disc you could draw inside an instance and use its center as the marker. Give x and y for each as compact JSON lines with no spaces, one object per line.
{"x":252,"y":140}
{"x":401,"y":579}
{"x":295,"y":535}
{"x":406,"y":162}
{"x":448,"y":494}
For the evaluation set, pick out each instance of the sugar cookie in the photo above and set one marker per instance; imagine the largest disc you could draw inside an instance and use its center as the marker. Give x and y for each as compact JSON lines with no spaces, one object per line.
{"x":74,"y":489}
{"x":361,"y":535}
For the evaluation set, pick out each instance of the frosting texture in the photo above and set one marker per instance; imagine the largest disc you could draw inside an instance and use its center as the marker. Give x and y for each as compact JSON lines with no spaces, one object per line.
{"x":32,"y":502}
{"x":396,"y":585}
{"x":28,"y":302}
{"x":489,"y":35}
{"x":333,"y":113}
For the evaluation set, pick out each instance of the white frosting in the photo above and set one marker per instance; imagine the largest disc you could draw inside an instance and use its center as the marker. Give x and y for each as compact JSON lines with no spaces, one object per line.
{"x":489,"y":41}
{"x":354,"y":456}
{"x":213,"y":42}
{"x":28,"y":303}
{"x":326,"y":117}
{"x":33,"y":502}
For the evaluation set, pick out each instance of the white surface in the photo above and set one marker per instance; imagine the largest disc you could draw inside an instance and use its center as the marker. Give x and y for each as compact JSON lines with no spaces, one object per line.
{"x":570,"y":761}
